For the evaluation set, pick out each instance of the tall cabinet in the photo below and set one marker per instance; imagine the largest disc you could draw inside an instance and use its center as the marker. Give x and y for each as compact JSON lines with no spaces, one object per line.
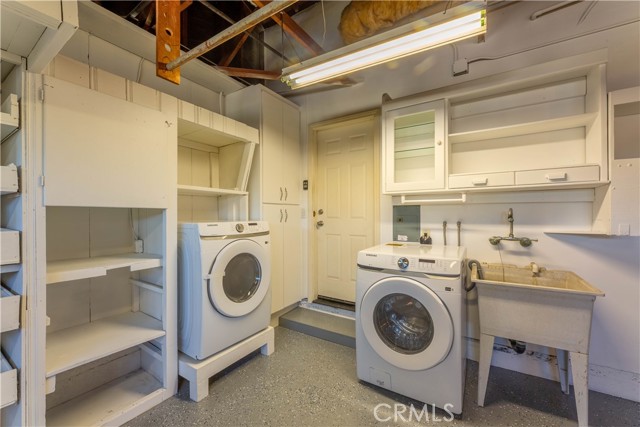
{"x":105,"y":226}
{"x":274,"y":183}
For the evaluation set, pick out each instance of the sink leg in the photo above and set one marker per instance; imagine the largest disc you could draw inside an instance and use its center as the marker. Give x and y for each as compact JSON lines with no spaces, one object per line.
{"x":563,"y":369}
{"x":580,"y":371}
{"x":486,"y":351}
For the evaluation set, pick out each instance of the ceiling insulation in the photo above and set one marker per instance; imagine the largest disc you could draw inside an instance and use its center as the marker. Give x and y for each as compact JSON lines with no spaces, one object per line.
{"x":361,"y":19}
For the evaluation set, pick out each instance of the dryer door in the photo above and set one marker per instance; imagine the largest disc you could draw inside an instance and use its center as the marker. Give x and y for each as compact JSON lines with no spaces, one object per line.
{"x":406,"y":323}
{"x":239,"y":278}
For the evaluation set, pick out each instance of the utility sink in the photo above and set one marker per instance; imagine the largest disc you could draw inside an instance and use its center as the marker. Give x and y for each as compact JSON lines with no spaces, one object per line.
{"x":552,"y":308}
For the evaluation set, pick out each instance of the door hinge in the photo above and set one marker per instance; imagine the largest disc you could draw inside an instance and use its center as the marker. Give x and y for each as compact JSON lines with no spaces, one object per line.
{"x":41,"y":94}
{"x":41,"y":180}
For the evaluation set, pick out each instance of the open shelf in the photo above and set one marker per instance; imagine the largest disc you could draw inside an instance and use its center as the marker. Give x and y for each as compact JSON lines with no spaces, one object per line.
{"x":192,"y":190}
{"x":206,"y":127}
{"x":84,"y":268}
{"x":9,"y":115}
{"x":524,"y":128}
{"x":113,"y":403}
{"x":8,"y":383}
{"x":75,"y":346}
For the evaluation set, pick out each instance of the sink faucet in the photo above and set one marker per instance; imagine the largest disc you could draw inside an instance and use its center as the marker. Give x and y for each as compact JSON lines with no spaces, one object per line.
{"x":524,"y":241}
{"x":535,"y":269}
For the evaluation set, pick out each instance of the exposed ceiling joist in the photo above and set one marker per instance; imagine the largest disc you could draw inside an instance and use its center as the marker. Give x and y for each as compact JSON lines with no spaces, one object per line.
{"x":225,"y":35}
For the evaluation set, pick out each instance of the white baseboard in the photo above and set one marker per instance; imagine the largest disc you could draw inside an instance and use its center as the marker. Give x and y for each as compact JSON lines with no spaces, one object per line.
{"x":537,"y":362}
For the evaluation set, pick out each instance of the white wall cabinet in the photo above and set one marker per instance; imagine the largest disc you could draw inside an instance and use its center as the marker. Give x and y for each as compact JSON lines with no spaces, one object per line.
{"x":274,"y":183}
{"x":617,"y":207}
{"x":106,"y":252}
{"x":536,"y":128}
{"x":414,"y":148}
{"x":214,"y":160}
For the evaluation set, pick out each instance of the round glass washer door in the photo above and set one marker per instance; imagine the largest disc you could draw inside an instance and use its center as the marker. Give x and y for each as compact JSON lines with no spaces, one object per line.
{"x":406,"y":323}
{"x":239,"y":278}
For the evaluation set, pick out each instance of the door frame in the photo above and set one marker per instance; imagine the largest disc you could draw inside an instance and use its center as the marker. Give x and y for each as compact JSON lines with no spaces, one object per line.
{"x":312,"y":165}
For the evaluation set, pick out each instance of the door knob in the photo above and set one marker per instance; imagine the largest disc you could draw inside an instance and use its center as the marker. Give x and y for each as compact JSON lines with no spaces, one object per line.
{"x":320,"y":211}
{"x":319,"y":224}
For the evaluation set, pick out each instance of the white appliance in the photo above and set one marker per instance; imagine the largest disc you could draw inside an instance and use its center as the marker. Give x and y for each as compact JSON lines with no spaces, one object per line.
{"x":224,"y":270}
{"x":410,"y":314}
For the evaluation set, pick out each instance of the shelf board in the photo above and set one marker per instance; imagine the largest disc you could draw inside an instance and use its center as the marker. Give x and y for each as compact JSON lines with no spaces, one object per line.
{"x":84,"y":268}
{"x":524,"y":128}
{"x":10,"y":313}
{"x":214,"y":137}
{"x":579,"y":233}
{"x":9,"y":116}
{"x":9,"y":181}
{"x":192,"y":190}
{"x":135,"y":392}
{"x":72,"y":347}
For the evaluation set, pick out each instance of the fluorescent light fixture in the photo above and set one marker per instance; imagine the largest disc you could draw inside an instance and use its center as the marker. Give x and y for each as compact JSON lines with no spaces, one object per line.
{"x":394,"y":44}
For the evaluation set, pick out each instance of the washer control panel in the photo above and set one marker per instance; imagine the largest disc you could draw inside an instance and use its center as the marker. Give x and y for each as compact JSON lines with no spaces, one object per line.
{"x":403,"y":262}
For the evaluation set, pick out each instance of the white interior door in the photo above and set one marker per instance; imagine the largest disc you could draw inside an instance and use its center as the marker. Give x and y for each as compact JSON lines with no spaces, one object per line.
{"x":345,"y":203}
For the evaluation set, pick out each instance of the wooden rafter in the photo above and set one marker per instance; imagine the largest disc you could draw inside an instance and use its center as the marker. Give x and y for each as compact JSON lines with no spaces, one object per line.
{"x":249,"y":73}
{"x":226,"y":61}
{"x":292,"y":28}
{"x":167,"y":38}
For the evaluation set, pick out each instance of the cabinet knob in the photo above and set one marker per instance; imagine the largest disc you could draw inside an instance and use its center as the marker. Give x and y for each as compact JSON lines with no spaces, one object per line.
{"x":281,"y":215}
{"x":439,"y":142}
{"x":286,"y":193}
{"x":281,"y":193}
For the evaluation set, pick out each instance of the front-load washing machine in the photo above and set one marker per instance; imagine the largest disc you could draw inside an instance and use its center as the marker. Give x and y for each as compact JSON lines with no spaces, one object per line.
{"x":410,"y":316}
{"x":224,"y":270}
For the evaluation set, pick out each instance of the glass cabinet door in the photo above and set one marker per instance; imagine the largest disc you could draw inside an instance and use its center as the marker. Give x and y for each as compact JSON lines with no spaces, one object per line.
{"x":413,"y":157}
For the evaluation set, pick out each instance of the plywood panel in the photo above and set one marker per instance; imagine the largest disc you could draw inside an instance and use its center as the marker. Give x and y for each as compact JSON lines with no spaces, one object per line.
{"x":184,"y":165}
{"x":103,"y":151}
{"x":69,"y":304}
{"x":110,"y":294}
{"x":200,"y":168}
{"x":111,"y":231}
{"x":67,"y":233}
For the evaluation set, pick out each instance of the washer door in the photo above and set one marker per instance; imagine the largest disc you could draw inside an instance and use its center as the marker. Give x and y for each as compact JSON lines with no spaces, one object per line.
{"x":406,"y":323}
{"x":239,"y":278}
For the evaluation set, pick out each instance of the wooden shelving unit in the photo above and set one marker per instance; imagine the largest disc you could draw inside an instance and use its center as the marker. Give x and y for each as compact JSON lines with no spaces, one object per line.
{"x":8,"y":383}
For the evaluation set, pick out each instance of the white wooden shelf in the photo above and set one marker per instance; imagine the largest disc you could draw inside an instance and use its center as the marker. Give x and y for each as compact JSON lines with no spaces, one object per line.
{"x":9,"y":310}
{"x":110,"y":403}
{"x":192,"y":190}
{"x":9,"y":115}
{"x":8,"y":383}
{"x":524,"y":128}
{"x":84,"y":268}
{"x":8,"y":179}
{"x":206,"y":127}
{"x":75,"y":346}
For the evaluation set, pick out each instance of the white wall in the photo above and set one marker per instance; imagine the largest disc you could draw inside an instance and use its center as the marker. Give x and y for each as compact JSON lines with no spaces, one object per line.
{"x":514,"y":41}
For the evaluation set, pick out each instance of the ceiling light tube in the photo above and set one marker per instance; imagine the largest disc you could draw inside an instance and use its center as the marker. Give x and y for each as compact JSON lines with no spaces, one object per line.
{"x":384,"y":48}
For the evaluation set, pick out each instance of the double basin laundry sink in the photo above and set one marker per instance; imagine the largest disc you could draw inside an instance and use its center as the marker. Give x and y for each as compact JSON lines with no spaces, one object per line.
{"x":551,"y":308}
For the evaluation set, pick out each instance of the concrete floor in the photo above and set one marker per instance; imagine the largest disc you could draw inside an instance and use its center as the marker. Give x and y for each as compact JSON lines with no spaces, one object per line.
{"x":311,"y":382}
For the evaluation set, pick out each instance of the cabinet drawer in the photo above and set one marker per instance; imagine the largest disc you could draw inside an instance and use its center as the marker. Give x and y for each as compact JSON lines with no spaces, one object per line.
{"x":481,"y":180}
{"x":8,"y":383}
{"x":558,"y":175}
{"x":9,"y":179}
{"x":9,"y":246}
{"x":10,"y":310}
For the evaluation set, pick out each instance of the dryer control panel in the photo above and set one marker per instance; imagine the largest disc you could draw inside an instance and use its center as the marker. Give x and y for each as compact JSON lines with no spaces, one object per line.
{"x":443,"y":260}
{"x":231,"y":228}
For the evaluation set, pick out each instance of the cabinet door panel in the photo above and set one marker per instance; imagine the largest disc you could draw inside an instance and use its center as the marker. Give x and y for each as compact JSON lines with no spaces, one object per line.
{"x":291,"y":154}
{"x":274,"y":214}
{"x":291,"y":255}
{"x":103,"y":151}
{"x":271,"y":150}
{"x":413,"y":158}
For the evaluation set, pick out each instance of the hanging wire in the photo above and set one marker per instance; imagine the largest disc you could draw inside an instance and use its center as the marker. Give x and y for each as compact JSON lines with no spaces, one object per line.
{"x":324,"y":23}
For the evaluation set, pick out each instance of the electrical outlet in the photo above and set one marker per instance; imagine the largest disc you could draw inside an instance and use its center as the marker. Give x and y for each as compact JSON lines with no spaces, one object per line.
{"x":460,"y":67}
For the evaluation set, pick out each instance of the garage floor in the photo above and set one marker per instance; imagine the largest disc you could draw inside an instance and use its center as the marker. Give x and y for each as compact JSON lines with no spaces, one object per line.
{"x":312,"y":382}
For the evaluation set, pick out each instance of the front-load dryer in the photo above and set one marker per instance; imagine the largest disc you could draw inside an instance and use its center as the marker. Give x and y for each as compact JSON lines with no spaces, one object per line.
{"x":224,"y":270}
{"x":410,"y":316}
